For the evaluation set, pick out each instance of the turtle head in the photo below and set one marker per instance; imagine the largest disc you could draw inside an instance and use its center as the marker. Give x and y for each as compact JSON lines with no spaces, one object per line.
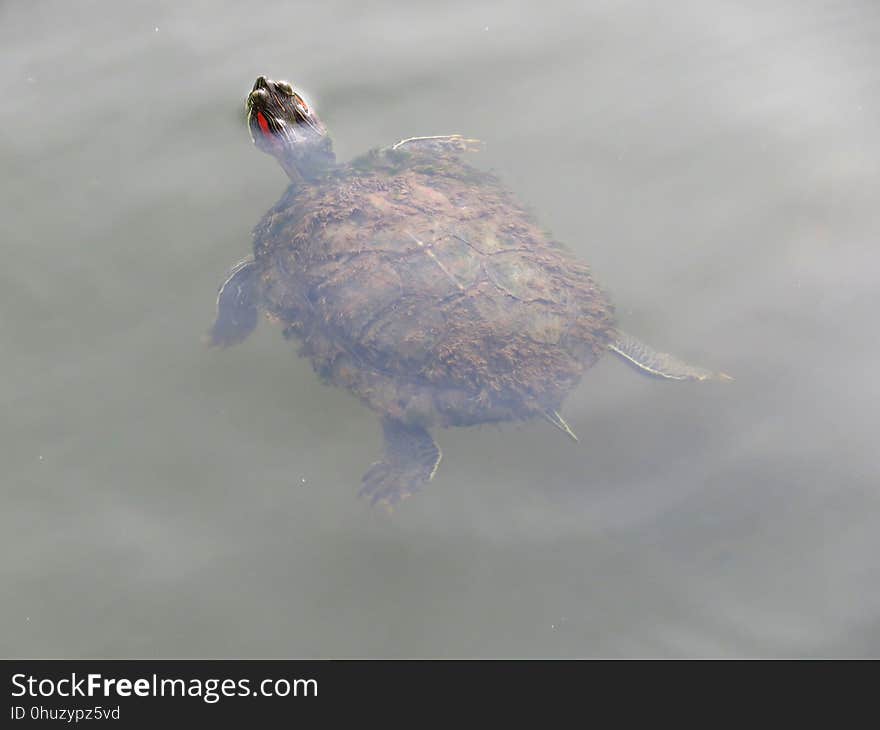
{"x":283,"y":125}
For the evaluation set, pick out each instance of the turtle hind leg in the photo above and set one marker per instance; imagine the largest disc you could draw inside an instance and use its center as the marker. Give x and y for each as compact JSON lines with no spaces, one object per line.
{"x":658,"y":364}
{"x":237,"y":313}
{"x":410,"y":461}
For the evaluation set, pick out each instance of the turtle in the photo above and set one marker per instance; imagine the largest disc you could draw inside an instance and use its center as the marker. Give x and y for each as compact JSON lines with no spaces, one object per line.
{"x":419,"y":283}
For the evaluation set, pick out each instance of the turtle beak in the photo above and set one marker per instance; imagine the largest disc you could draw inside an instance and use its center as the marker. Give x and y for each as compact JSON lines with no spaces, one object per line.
{"x":260,"y":93}
{"x":264,"y":127}
{"x":259,"y":96}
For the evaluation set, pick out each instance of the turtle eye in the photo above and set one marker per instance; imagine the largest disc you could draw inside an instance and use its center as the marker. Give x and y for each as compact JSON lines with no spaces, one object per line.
{"x":254,"y":95}
{"x":285,"y":87}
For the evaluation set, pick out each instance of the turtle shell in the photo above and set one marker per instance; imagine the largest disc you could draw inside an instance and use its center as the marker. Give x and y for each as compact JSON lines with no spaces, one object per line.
{"x":418,"y":283}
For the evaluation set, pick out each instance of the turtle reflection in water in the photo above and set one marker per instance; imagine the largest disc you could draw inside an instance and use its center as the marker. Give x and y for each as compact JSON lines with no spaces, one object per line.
{"x":421,"y":285}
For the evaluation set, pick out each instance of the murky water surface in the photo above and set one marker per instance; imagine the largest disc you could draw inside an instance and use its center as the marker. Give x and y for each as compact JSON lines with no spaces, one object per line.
{"x":715,"y":162}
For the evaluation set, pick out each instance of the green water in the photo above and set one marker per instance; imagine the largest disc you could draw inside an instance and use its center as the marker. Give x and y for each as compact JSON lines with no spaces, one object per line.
{"x":715,"y":162}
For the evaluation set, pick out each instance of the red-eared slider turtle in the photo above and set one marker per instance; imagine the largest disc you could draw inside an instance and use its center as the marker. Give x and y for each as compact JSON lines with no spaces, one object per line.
{"x":421,"y":285}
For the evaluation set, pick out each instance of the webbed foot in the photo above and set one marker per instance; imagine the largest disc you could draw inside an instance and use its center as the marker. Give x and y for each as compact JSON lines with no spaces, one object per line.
{"x":440,"y":143}
{"x":236,"y":306}
{"x":659,"y":364}
{"x":410,"y":461}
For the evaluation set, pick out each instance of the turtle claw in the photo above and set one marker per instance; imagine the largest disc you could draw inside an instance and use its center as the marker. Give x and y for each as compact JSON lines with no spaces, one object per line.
{"x":467,"y":144}
{"x":385,"y":486}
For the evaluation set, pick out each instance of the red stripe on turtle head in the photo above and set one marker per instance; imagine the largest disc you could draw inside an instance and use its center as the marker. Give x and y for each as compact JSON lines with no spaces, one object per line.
{"x":264,"y":124}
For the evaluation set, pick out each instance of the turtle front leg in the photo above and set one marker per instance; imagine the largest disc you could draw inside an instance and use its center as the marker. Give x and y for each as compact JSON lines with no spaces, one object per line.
{"x":410,"y":461}
{"x":237,"y":312}
{"x":439,"y":143}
